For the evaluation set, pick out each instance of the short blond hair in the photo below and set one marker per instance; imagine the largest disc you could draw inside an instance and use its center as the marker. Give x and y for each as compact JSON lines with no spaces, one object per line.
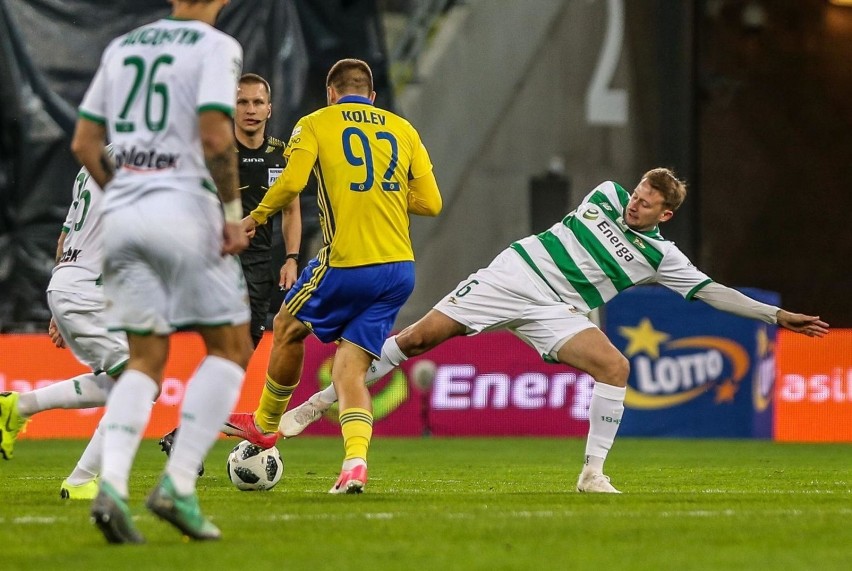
{"x":665,"y":182}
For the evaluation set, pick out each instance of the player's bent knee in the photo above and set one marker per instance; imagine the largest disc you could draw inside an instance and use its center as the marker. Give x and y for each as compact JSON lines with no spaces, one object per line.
{"x":428,"y":333}
{"x":288,"y":329}
{"x":414,"y":342}
{"x":281,"y":323}
{"x":618,"y":370}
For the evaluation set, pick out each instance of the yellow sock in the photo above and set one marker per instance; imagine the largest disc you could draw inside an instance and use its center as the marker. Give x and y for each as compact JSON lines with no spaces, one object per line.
{"x":356,"y":424}
{"x":273,"y":402}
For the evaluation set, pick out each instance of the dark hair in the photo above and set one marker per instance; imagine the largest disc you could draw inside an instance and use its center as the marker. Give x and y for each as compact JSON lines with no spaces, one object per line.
{"x":253,"y":78}
{"x":350,"y":76}
{"x":666,"y":183}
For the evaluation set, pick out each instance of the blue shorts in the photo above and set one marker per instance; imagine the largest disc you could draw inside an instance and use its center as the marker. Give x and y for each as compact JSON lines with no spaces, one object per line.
{"x":358,"y":304}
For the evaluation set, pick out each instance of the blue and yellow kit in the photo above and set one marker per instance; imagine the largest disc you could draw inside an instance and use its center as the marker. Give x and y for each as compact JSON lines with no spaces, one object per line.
{"x":372,"y":170}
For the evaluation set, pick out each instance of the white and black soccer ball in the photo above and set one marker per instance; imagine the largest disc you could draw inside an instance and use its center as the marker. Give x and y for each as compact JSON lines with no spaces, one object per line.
{"x":251,"y":467}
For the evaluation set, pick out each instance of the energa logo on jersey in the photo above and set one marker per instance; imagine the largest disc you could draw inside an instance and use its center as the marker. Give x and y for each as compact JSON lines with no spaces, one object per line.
{"x":667,"y":371}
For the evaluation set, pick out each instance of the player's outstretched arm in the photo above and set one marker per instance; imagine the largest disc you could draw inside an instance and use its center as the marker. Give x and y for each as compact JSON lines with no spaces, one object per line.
{"x":730,"y":300}
{"x":809,"y":325}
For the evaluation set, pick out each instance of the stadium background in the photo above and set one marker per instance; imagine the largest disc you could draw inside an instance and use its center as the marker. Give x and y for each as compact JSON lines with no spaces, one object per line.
{"x":523,"y":111}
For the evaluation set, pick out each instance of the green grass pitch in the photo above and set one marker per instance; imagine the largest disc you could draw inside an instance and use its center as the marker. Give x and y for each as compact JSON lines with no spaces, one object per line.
{"x":437,"y":504}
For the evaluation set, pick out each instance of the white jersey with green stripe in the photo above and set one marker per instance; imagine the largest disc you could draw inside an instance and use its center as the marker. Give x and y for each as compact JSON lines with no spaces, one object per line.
{"x":81,"y":262}
{"x":591,"y":255}
{"x":148,"y":91}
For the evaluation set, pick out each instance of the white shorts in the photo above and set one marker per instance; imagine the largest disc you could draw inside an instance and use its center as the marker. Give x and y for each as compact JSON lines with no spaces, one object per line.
{"x":163,"y":267}
{"x":81,"y":319}
{"x":505,"y":295}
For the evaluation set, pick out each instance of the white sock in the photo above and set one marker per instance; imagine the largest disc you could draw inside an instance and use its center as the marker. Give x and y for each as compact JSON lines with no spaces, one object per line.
{"x":127,"y":412}
{"x":605,"y":412}
{"x":89,"y":464}
{"x":210,"y":396}
{"x":84,"y":391}
{"x":328,"y":395}
{"x":391,"y":357}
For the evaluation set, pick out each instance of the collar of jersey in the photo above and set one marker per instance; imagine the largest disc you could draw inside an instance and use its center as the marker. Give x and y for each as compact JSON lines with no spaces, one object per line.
{"x":652,"y":233}
{"x":241,"y":146}
{"x":355,"y":99}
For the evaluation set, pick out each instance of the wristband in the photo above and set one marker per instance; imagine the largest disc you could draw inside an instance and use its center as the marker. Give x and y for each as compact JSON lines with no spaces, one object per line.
{"x":292,"y":257}
{"x":233,"y":210}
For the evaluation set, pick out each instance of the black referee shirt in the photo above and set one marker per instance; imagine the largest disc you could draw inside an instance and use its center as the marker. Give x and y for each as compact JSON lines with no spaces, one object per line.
{"x":258,"y":170}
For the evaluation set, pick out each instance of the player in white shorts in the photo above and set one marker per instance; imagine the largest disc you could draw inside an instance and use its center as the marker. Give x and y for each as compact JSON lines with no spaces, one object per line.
{"x":76,"y":300}
{"x":164,"y":95}
{"x":543,"y":287}
{"x":504,"y":295}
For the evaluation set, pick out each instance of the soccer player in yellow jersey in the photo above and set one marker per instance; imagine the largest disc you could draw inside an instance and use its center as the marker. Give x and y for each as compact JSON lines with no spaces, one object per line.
{"x":372,"y":171}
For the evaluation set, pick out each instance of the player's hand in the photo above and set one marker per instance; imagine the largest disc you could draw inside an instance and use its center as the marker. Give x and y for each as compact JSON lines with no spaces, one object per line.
{"x":234,"y":239}
{"x":809,"y":325}
{"x":249,"y":225}
{"x":55,"y":335}
{"x":289,"y":272}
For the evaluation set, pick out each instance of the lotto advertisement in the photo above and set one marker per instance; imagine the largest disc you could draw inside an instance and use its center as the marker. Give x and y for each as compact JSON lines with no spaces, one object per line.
{"x":695,"y":371}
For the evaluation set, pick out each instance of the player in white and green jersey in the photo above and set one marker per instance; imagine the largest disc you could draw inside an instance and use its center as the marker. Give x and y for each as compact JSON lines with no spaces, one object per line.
{"x":76,"y":300}
{"x":164,"y":96}
{"x":149,"y":91}
{"x":75,"y":292}
{"x":542,"y":288}
{"x":594,"y":253}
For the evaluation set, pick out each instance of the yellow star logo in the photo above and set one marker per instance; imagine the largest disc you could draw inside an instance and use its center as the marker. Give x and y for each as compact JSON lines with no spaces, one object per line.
{"x":726,"y":391}
{"x":765,"y":345}
{"x":643,"y":338}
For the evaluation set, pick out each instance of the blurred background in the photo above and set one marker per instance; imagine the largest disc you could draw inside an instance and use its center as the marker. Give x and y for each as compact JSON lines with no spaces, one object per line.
{"x":524,"y":106}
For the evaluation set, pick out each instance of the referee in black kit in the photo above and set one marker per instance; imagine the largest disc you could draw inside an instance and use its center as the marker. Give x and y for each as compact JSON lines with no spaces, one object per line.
{"x":261,"y":160}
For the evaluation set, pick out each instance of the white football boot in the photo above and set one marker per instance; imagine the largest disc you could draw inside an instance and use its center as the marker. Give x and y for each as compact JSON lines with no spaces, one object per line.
{"x":595,"y":483}
{"x":299,"y":418}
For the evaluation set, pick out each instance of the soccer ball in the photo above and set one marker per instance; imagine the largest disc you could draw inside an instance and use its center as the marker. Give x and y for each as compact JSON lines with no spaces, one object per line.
{"x":251,"y":467}
{"x":423,"y":373}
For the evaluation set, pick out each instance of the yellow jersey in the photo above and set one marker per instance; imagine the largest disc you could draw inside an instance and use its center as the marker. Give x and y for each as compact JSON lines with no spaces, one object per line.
{"x":364,"y":159}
